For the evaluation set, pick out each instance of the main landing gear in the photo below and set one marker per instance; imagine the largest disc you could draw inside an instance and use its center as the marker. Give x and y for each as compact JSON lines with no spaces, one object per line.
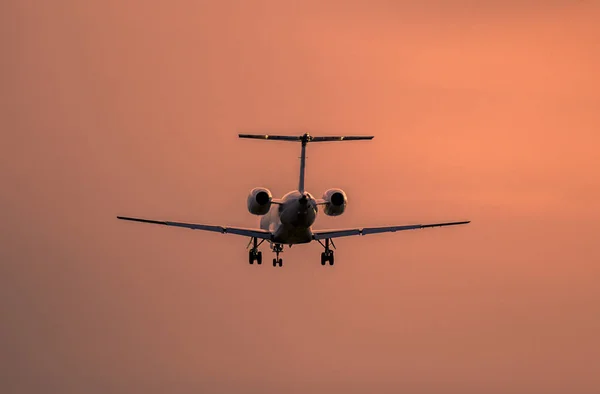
{"x":254,"y":254}
{"x":327,"y":255}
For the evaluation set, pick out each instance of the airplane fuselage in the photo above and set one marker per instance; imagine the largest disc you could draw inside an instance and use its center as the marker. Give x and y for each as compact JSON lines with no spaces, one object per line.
{"x":290,"y":221}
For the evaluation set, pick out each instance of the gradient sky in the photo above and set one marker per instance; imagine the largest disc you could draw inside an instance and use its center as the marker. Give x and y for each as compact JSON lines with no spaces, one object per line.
{"x":485,"y":111}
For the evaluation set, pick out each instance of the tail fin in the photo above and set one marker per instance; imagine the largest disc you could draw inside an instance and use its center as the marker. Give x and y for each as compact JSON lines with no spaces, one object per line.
{"x":304,"y":139}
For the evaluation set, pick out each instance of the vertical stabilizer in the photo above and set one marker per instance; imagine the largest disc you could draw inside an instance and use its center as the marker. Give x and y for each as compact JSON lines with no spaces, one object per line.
{"x":302,"y":167}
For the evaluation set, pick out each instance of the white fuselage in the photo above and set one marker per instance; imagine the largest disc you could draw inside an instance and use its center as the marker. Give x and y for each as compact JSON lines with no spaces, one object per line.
{"x":290,"y":221}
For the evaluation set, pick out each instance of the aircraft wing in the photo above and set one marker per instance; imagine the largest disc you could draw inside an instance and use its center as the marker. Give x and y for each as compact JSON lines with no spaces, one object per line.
{"x":248,"y":232}
{"x":323,"y":234}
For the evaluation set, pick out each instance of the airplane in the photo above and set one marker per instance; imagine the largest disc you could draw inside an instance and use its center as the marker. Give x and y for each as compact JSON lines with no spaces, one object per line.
{"x":288,"y":220}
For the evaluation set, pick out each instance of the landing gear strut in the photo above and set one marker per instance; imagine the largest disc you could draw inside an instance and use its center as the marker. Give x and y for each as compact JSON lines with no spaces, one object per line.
{"x":277,"y":248}
{"x":254,"y":254}
{"x":327,"y":255}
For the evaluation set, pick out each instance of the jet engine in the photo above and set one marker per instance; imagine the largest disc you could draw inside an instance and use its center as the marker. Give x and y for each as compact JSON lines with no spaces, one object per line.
{"x":259,"y":201}
{"x":335,"y":202}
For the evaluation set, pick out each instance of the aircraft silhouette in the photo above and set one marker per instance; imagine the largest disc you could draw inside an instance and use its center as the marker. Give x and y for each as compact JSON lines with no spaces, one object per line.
{"x":289,"y":220}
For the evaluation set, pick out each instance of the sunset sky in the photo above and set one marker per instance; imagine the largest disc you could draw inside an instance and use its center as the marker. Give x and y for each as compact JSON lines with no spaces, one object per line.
{"x":481,"y":110}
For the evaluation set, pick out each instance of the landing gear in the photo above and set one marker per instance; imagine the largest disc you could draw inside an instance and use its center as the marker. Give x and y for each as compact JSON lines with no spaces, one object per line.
{"x":254,"y":254}
{"x":327,"y":255}
{"x":277,"y":248}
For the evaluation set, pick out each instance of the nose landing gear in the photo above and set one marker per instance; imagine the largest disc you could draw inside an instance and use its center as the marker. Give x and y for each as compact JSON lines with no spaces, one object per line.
{"x":277,"y":248}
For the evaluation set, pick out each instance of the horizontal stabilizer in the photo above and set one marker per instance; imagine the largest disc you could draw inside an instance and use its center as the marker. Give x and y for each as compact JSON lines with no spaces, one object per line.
{"x":307,"y":137}
{"x":271,"y":137}
{"x":342,"y":138}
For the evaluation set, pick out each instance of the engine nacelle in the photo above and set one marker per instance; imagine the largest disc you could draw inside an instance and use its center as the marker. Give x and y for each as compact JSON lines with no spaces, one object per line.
{"x":259,"y":201}
{"x":336,"y":201}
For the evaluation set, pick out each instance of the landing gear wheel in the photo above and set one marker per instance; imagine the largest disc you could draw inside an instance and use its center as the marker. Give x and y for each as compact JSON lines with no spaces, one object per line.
{"x":327,"y":255}
{"x":277,"y":248}
{"x":254,"y":256}
{"x":253,"y":253}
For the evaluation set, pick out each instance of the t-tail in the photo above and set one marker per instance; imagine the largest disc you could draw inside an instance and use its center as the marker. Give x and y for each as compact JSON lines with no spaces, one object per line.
{"x":305,"y":139}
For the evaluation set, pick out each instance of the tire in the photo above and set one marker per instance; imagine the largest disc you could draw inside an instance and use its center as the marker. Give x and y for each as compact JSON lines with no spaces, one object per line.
{"x":331,"y":259}
{"x":259,"y":258}
{"x":323,"y":259}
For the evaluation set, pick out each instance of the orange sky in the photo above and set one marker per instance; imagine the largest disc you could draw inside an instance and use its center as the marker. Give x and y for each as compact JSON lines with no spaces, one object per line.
{"x":481,"y":112}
